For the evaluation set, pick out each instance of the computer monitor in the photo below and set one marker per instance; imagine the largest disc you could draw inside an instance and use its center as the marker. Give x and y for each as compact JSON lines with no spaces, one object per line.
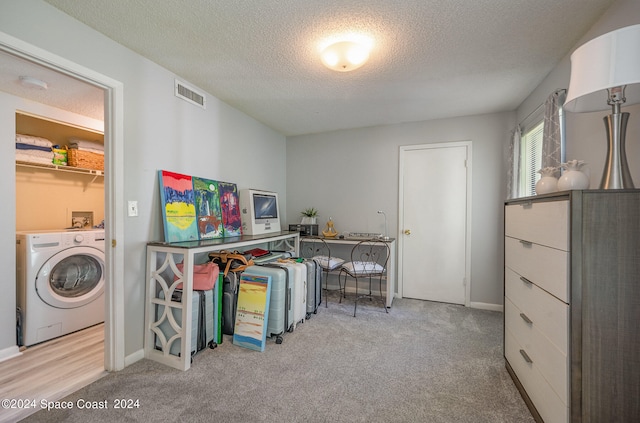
{"x":259,"y":212}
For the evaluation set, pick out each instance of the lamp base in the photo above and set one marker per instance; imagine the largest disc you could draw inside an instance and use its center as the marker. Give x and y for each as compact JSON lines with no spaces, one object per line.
{"x":616,"y":173}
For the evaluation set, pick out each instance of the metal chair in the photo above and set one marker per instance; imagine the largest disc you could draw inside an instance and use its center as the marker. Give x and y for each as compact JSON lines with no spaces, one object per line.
{"x":368,"y":261}
{"x":317,"y":249}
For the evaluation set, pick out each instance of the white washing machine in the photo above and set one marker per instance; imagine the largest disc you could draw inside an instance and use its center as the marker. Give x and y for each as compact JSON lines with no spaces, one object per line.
{"x":59,"y":282}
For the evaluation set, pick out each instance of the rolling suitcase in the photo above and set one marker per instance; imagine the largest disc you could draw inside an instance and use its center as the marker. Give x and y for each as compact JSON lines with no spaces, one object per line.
{"x":231,"y":264}
{"x":229,"y":301}
{"x":202,"y":324}
{"x":280,"y":311}
{"x":298,"y":289}
{"x":314,"y":285}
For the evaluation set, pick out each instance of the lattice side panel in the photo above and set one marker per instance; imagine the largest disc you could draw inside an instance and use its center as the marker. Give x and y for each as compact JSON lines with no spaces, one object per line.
{"x":166,"y":328}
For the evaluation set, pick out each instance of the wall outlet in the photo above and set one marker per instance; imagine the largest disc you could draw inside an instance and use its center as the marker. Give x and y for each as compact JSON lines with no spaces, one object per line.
{"x":132,"y":209}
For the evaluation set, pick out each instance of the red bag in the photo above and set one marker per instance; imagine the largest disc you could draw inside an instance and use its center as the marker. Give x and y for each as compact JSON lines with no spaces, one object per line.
{"x":204,"y":275}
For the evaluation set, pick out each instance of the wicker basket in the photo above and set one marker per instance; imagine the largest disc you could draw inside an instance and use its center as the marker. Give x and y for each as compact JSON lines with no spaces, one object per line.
{"x":85,"y":159}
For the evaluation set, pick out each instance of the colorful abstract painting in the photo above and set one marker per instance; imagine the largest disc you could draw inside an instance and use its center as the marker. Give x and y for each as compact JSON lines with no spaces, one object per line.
{"x":253,"y":312}
{"x":208,"y":209}
{"x":178,"y":207}
{"x":230,"y":205}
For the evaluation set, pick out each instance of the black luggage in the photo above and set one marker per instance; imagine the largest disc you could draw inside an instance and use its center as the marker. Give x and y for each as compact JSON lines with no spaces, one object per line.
{"x":231,"y":264}
{"x":229,"y":302}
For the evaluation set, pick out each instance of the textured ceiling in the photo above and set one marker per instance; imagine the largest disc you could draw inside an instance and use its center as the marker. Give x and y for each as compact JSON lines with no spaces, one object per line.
{"x":431,"y":58}
{"x":63,"y":91}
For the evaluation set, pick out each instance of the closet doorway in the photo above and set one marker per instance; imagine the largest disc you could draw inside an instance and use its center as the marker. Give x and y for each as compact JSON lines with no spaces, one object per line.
{"x":114,"y":215}
{"x":434,"y":222}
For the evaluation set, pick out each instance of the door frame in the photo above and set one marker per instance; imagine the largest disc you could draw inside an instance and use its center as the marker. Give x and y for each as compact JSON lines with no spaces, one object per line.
{"x":114,"y":351}
{"x":400,"y":234}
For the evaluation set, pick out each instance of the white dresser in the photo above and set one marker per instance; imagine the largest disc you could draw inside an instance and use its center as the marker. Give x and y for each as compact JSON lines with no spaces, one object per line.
{"x":572,"y":304}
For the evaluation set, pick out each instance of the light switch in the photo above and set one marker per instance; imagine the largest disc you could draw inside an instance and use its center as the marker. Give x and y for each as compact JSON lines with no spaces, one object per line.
{"x":132,"y":208}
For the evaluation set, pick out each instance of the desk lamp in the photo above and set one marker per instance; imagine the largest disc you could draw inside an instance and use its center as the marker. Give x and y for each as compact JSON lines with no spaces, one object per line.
{"x":610,"y":62}
{"x":385,"y":237}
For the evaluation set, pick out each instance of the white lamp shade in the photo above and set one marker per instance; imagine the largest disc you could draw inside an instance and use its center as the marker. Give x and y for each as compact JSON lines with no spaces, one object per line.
{"x":611,"y":60}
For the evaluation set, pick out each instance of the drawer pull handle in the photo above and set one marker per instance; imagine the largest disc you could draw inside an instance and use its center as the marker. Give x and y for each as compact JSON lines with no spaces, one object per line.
{"x":526,"y":318}
{"x":525,"y":280}
{"x":526,"y":243}
{"x":526,"y":356}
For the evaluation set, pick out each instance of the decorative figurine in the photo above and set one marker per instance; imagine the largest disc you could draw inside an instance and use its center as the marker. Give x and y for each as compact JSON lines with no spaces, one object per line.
{"x":330,"y":231}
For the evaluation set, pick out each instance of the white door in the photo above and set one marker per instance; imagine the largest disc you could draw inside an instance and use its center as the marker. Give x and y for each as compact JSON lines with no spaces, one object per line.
{"x":434,"y":220}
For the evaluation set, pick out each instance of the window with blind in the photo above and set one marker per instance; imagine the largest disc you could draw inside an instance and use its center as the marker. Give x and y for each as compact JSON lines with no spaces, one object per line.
{"x":530,"y":159}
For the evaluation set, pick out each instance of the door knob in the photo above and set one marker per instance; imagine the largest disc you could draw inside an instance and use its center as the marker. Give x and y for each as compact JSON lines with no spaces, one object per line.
{"x":407,"y":231}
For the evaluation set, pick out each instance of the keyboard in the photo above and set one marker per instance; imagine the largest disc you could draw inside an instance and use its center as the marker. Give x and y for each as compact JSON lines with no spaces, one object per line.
{"x":362,"y":235}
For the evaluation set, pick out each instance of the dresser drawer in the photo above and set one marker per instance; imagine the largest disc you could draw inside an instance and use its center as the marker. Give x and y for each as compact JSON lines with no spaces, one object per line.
{"x":545,"y":223}
{"x":546,"y":401}
{"x":550,"y":361}
{"x":546,"y":267}
{"x":546,"y":312}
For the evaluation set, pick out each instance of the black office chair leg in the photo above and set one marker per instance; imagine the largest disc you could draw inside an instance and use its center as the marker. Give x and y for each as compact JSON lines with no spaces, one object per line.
{"x":355,"y":302}
{"x":384,"y":304}
{"x":326,"y":292}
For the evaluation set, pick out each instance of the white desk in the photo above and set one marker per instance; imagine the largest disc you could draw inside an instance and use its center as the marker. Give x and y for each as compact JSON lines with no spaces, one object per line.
{"x":391,"y":265}
{"x":161,"y":269}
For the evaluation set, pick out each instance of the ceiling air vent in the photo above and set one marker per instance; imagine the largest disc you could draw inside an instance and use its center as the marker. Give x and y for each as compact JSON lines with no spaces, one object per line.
{"x":189,"y":94}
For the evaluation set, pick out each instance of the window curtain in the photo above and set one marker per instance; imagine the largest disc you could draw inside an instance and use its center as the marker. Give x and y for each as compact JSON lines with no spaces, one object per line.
{"x":553,"y":135}
{"x":513,"y":167}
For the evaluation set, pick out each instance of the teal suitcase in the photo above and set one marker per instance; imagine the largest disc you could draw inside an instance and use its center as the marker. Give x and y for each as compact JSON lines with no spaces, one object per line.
{"x":280,"y":310}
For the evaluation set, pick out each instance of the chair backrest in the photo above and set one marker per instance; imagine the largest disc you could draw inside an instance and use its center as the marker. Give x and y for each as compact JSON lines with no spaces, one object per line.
{"x":370,"y":256}
{"x":314,"y":246}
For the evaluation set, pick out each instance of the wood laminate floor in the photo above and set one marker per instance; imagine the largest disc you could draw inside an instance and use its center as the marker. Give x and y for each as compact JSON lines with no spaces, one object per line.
{"x":52,"y":370}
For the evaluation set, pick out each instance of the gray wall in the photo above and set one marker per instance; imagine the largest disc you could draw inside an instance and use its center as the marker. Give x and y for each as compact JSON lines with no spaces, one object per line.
{"x":160,"y":132}
{"x":349,"y":175}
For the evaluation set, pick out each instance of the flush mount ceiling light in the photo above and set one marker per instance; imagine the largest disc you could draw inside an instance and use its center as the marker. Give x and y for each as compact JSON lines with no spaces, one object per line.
{"x":345,"y":56}
{"x":31,"y":82}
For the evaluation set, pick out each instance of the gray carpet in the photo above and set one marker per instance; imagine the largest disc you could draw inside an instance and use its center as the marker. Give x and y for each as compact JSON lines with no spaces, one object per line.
{"x":422,"y":362}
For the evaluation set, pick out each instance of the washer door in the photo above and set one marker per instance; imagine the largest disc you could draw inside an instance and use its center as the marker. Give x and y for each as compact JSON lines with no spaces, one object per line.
{"x":72,"y":278}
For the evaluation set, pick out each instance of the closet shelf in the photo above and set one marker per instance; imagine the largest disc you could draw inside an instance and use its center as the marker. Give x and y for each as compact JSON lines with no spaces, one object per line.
{"x":70,"y":169}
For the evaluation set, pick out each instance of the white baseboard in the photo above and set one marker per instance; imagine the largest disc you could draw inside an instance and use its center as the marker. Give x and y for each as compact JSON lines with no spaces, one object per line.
{"x":487,"y":306}
{"x":132,"y":358}
{"x":10,"y":352}
{"x":472,"y":304}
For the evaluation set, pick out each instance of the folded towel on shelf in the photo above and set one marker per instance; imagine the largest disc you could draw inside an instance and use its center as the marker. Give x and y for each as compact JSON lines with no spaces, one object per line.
{"x":23,"y":146}
{"x":36,"y":153}
{"x":33,"y":156}
{"x":93,"y":146}
{"x":29,"y":139}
